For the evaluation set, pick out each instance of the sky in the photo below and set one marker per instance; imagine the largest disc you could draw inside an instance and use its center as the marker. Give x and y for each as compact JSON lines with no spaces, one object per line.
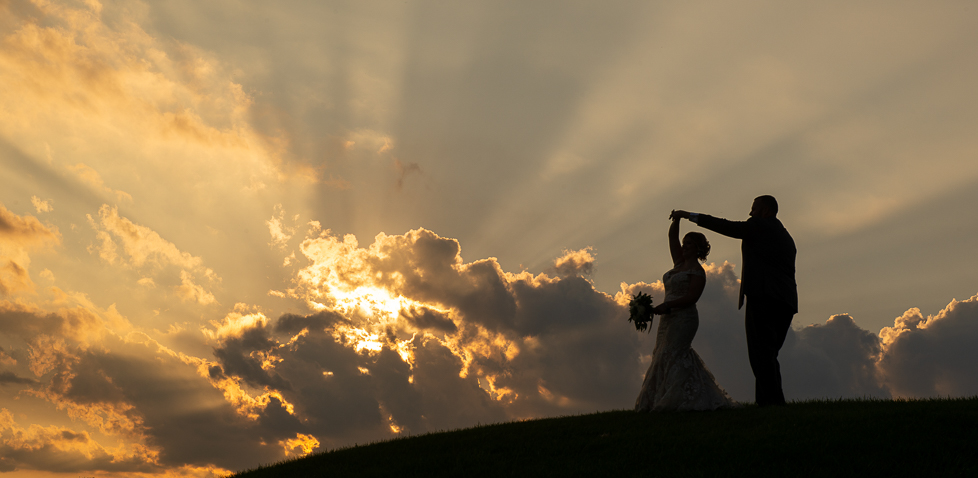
{"x":234,"y":232}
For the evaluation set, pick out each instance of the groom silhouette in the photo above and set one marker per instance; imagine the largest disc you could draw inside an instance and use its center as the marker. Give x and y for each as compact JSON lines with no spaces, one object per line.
{"x":768,"y":282}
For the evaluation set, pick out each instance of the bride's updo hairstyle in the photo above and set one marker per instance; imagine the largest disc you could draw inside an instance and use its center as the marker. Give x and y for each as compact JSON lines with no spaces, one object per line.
{"x":702,"y":245}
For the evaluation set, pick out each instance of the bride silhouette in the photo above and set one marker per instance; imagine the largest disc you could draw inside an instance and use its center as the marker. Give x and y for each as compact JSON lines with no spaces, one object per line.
{"x":677,"y":378}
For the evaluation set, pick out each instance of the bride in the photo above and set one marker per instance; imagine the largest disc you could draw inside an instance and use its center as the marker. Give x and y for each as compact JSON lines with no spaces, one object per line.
{"x":677,"y":378}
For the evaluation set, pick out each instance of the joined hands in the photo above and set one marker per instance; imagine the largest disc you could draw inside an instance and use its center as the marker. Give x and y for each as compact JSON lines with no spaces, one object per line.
{"x":678,"y":214}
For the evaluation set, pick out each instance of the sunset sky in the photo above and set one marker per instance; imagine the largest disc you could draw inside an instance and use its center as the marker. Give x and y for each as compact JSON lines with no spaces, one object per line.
{"x":233,"y":232}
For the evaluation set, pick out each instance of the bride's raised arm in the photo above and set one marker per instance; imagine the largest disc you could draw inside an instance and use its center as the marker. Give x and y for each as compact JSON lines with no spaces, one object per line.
{"x":675,"y":247}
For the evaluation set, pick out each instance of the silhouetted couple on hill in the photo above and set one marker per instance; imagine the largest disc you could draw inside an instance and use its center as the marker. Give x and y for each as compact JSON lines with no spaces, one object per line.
{"x":677,"y":379}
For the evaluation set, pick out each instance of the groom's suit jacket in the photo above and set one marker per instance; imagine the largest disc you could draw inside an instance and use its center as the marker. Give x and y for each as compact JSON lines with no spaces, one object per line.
{"x":769,"y":258}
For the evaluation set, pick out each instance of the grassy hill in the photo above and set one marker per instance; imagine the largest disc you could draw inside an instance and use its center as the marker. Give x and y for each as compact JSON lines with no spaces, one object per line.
{"x":816,"y":438}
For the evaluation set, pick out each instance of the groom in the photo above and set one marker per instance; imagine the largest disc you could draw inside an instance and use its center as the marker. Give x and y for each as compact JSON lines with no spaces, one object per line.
{"x":768,"y":282}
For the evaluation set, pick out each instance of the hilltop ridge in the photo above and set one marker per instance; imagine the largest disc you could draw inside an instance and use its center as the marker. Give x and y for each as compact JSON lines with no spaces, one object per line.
{"x":866,"y":437}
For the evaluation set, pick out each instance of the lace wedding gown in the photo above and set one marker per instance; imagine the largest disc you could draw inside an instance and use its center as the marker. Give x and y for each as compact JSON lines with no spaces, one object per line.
{"x":677,"y":378}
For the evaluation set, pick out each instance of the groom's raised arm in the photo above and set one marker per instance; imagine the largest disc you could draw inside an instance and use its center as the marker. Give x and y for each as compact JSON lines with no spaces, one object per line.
{"x":735,"y":229}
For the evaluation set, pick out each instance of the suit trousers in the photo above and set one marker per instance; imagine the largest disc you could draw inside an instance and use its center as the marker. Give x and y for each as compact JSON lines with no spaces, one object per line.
{"x":767,"y":322}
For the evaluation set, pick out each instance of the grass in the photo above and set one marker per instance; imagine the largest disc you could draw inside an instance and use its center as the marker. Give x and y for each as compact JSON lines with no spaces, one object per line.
{"x":936,"y":437}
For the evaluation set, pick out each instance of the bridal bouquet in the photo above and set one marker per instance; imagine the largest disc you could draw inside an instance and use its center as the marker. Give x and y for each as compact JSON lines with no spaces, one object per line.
{"x":640,"y":311}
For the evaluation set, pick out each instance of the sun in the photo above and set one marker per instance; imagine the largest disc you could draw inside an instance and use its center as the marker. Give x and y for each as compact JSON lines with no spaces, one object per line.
{"x":371,"y":301}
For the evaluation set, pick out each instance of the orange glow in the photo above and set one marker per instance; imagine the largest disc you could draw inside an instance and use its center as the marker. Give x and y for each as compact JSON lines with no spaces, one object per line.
{"x":305,"y":443}
{"x":551,"y":397}
{"x":235,"y":323}
{"x":393,"y":426}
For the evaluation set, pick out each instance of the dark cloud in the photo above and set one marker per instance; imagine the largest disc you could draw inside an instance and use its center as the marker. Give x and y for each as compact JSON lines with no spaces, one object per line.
{"x":244,"y":356}
{"x":346,"y":396}
{"x":292,"y":323}
{"x":8,"y":377}
{"x":832,"y":360}
{"x":427,"y":318}
{"x":136,"y":392}
{"x":57,"y":450}
{"x":935,"y":355}
{"x":25,"y":321}
{"x":428,"y":268}
{"x":172,"y":406}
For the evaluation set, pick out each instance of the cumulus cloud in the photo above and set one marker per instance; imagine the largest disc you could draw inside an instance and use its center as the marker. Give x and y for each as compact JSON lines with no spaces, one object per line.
{"x":411,"y":338}
{"x":917,"y":357}
{"x":834,"y":359}
{"x":933,"y":355}
{"x":575,"y":263}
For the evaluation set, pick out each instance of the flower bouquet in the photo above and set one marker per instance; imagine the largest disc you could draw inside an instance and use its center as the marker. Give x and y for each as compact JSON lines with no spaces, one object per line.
{"x":640,"y":311}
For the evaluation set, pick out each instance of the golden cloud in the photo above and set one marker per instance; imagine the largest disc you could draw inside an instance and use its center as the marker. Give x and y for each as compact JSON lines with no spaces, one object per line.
{"x":575,"y":263}
{"x":55,"y":448}
{"x":41,"y":205}
{"x":25,"y":232}
{"x":145,"y":247}
{"x":90,"y":176}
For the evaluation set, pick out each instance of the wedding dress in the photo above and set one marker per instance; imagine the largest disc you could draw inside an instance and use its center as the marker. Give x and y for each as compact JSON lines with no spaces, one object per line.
{"x":677,"y":378}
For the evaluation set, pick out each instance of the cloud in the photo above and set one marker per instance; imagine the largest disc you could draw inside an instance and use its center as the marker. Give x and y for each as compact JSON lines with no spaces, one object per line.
{"x":10,"y":377}
{"x":279,"y":231}
{"x":834,"y":359}
{"x":52,"y":346}
{"x":142,"y":244}
{"x":368,"y":140}
{"x":90,"y":176}
{"x":59,"y":449}
{"x":575,"y":263}
{"x":427,"y":318}
{"x":41,"y":205}
{"x":917,"y":357}
{"x":934,"y":355}
{"x":190,"y":291}
{"x":161,"y":408}
{"x":146,"y":249}
{"x":19,"y":235}
{"x":411,"y":338}
{"x":25,"y":231}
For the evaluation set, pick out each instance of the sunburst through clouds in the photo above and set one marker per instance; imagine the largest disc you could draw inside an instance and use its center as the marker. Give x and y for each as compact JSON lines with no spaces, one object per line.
{"x":188,"y":284}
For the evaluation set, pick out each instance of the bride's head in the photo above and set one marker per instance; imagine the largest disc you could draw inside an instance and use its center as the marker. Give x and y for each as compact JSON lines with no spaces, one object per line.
{"x":696,"y":245}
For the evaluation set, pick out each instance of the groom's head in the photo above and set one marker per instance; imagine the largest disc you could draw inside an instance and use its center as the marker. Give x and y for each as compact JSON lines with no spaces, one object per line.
{"x":764,"y":206}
